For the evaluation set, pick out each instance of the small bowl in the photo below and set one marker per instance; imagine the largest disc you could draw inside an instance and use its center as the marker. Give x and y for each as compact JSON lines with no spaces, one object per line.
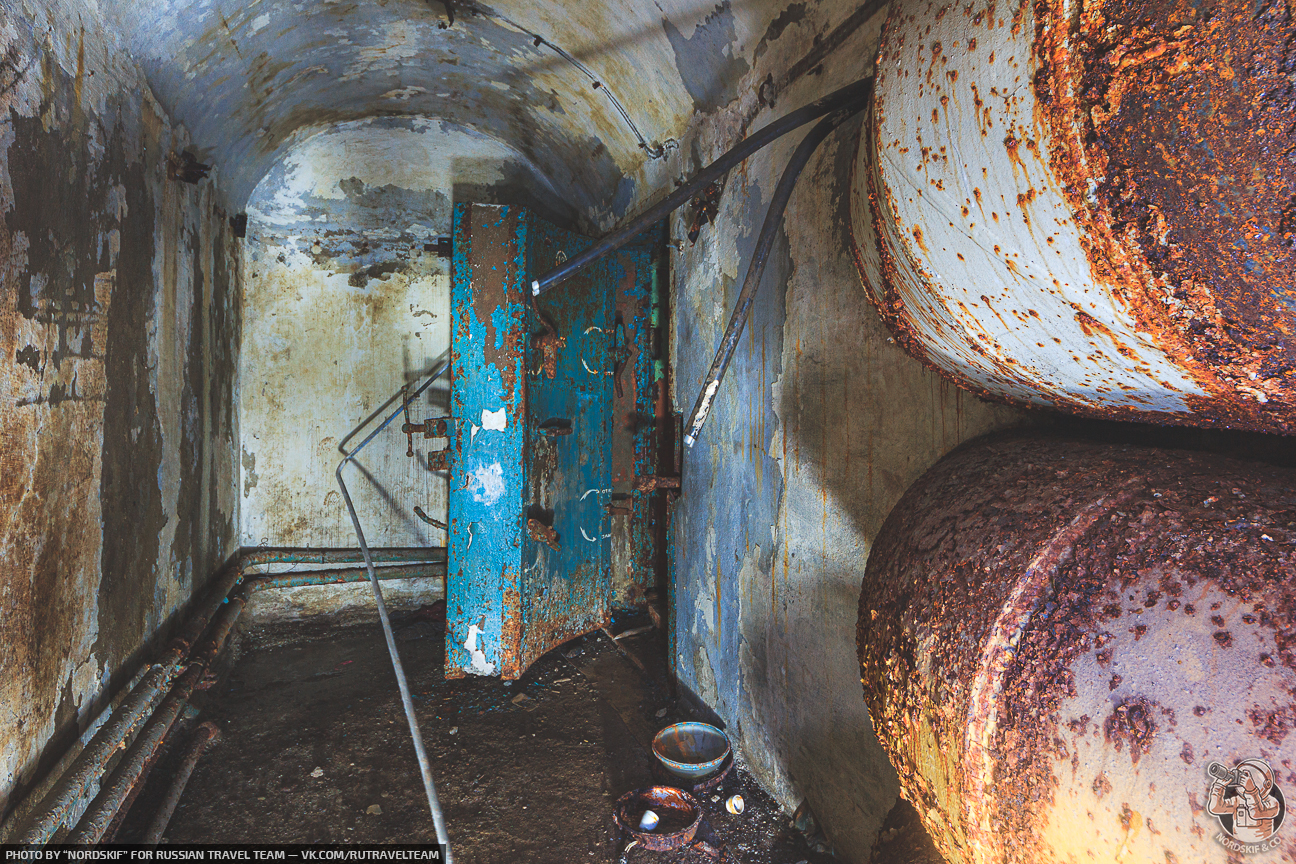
{"x":691,"y":750}
{"x":663,"y":800}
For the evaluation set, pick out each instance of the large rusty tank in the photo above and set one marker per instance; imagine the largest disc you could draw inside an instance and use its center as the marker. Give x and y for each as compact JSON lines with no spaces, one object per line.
{"x":1060,"y":641}
{"x":1090,"y":206}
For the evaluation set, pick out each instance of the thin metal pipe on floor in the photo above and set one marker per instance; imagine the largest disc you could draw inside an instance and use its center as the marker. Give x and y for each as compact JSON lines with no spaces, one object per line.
{"x":62,"y":803}
{"x":425,"y":765}
{"x":126,"y":780}
{"x":206,"y":736}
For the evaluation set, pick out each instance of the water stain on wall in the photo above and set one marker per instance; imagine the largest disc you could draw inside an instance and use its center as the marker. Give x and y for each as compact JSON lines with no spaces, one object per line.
{"x":98,"y":545}
{"x":347,"y":301}
{"x":709,"y":61}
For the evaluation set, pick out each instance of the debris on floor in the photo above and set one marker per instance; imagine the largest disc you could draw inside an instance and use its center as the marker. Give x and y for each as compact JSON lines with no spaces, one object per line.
{"x":528,"y":770}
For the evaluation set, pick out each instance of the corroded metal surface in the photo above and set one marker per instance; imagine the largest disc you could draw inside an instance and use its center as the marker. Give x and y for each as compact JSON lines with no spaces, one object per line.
{"x":1089,"y":211}
{"x":528,"y":523}
{"x":634,"y":421}
{"x":207,"y":735}
{"x":489,"y":339}
{"x":1056,"y":639}
{"x":661,"y":800}
{"x":565,"y":590}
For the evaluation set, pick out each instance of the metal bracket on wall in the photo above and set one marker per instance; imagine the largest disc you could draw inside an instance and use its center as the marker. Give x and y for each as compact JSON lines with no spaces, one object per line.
{"x":653,"y":483}
{"x":433,"y":427}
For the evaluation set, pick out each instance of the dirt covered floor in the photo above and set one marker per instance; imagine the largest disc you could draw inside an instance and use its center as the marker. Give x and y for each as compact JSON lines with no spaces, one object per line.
{"x":315,"y":748}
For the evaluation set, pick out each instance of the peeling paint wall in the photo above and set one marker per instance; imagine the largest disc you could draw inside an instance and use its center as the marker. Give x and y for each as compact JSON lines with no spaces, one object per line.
{"x":249,"y":76}
{"x":119,"y":329}
{"x":346,"y":301}
{"x":349,"y":129}
{"x":820,"y":426}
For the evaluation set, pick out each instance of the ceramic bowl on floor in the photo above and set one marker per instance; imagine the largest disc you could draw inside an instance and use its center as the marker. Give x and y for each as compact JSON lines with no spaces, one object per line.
{"x":692,"y":750}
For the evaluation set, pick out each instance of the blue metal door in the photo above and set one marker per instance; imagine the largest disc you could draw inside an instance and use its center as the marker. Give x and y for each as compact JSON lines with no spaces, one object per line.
{"x":530,"y":452}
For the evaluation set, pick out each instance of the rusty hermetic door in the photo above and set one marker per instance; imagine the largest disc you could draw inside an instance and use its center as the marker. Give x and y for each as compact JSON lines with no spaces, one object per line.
{"x":530,"y":456}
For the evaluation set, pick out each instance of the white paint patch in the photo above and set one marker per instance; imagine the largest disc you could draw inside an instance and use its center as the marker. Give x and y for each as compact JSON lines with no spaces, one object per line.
{"x":432,"y":155}
{"x":479,"y":665}
{"x":496,"y":421}
{"x":472,"y":436}
{"x":587,"y":537}
{"x":259,"y":23}
{"x":403,"y":93}
{"x":487,"y":483}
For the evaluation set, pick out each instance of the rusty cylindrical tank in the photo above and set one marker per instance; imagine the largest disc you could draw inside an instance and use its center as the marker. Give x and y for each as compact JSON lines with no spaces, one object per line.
{"x":1057,"y":640}
{"x":1090,"y":206}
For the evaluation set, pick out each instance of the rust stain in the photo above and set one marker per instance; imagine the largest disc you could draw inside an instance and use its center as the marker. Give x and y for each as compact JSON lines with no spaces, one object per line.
{"x":1171,"y":131}
{"x":1002,"y":574}
{"x":542,"y":533}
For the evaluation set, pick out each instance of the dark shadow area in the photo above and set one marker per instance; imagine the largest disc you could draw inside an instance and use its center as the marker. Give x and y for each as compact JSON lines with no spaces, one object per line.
{"x":1277,"y":450}
{"x":315,"y":748}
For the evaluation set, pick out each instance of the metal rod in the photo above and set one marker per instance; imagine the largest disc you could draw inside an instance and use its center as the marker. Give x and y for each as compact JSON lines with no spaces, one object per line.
{"x":848,"y":95}
{"x":443,"y":363}
{"x":61,"y":803}
{"x":205,"y":736}
{"x":438,"y":366}
{"x":435,"y":523}
{"x":425,"y":765}
{"x":292,"y":555}
{"x":124,"y":785}
{"x":256,"y":584}
{"x":756,"y":269}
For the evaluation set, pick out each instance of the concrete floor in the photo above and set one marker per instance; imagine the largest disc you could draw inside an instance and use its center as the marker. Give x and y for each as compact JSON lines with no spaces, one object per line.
{"x":315,"y":749}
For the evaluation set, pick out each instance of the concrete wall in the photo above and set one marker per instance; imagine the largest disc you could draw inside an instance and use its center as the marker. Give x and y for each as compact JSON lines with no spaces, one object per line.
{"x":119,"y":330}
{"x":820,"y":426}
{"x":347,"y":300}
{"x":248,"y":77}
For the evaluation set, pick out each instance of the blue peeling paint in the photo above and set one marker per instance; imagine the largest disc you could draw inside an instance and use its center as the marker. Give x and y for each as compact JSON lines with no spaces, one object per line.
{"x":511,"y":597}
{"x":732,"y":488}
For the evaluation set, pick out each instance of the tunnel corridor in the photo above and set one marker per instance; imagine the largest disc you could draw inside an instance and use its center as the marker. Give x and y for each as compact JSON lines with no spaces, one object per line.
{"x":244,"y":241}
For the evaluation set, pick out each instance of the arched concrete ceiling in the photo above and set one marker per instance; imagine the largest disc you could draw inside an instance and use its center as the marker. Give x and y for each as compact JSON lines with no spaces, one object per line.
{"x":251,"y":79}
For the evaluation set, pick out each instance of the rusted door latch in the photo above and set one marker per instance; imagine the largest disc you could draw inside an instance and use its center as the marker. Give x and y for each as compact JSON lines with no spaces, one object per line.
{"x":546,"y":343}
{"x":655,"y":482}
{"x":542,"y":533}
{"x":433,"y":427}
{"x":620,"y":353}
